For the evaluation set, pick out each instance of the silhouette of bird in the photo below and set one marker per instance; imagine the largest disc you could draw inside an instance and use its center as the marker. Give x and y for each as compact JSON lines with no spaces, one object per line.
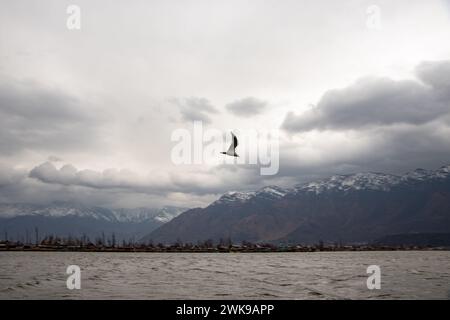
{"x":232,"y":149}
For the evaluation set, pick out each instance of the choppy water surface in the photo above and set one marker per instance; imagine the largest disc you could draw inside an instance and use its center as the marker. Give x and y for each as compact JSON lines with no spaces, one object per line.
{"x":327,"y":275}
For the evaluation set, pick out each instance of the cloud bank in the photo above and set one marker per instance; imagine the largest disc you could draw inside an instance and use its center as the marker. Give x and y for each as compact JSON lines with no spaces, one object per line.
{"x":375,"y":102}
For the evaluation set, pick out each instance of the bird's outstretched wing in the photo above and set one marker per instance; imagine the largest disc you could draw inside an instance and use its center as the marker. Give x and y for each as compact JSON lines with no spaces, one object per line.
{"x":235,"y":140}
{"x":233,"y":145}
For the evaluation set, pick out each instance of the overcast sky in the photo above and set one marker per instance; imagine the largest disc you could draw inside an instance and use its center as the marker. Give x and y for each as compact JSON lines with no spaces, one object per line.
{"x":87,"y":115}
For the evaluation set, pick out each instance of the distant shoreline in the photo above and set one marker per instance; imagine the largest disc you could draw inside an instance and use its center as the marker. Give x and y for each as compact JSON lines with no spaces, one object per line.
{"x":221,"y":250}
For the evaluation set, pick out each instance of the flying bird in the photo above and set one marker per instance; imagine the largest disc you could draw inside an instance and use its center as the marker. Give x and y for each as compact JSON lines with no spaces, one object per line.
{"x":232,"y":149}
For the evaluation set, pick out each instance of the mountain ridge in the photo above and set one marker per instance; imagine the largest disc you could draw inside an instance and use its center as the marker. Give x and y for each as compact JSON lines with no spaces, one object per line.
{"x":353,"y":207}
{"x":61,"y":209}
{"x":65,"y":218}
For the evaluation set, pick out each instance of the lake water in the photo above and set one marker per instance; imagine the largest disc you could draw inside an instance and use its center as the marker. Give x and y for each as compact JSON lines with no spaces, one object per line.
{"x":325,"y":275}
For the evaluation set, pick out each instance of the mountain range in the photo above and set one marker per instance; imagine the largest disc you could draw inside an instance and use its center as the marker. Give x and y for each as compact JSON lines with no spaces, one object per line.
{"x":361,"y":207}
{"x":22,"y":221}
{"x":352,"y":208}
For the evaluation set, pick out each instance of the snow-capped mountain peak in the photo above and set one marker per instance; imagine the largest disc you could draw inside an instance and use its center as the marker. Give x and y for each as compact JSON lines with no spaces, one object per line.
{"x":235,"y":196}
{"x":418,"y":174}
{"x":61,"y":209}
{"x":280,"y":192}
{"x":442,"y":172}
{"x":357,"y":181}
{"x":269,"y":192}
{"x":374,"y":181}
{"x":168,"y":213}
{"x":55,"y":210}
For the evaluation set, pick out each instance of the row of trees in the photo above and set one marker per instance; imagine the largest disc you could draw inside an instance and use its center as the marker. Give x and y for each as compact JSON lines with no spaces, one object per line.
{"x":111,"y":242}
{"x":34,"y":238}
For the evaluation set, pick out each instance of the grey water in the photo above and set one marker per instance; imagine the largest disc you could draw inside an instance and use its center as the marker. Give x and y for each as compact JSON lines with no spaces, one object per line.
{"x":324,"y":275}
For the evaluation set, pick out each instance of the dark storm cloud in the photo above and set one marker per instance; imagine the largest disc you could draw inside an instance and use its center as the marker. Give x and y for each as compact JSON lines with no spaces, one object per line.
{"x":195,"y":109}
{"x":114,"y":188}
{"x":392,"y":150}
{"x":384,"y":125}
{"x":436,"y":74}
{"x":375,"y":102}
{"x":36,"y":117}
{"x":17,"y":187}
{"x":106,"y":179}
{"x":207,"y":182}
{"x":247,"y":107}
